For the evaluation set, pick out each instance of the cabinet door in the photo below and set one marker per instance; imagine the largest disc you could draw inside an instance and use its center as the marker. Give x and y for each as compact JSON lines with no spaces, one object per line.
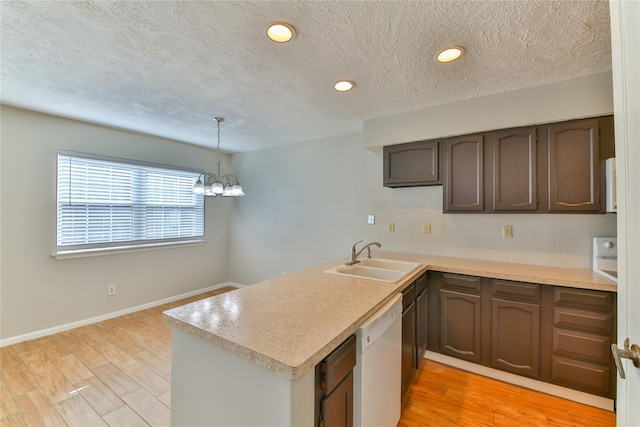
{"x":515,"y":337}
{"x":515,"y":170}
{"x":574,"y":166}
{"x":408,"y":346}
{"x":412,"y":164}
{"x":337,"y":408}
{"x":464,"y":183}
{"x":460,"y":325}
{"x":422,"y":330}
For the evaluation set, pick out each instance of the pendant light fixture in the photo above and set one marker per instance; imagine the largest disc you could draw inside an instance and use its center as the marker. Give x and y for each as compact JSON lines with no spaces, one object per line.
{"x":210,"y":184}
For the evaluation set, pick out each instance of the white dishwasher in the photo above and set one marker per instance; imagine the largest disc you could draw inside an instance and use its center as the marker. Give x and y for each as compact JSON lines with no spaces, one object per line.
{"x":377,"y":383}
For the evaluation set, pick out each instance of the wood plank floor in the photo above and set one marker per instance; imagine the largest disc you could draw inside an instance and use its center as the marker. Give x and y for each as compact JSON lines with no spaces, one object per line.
{"x":118,"y":373}
{"x":443,"y":396}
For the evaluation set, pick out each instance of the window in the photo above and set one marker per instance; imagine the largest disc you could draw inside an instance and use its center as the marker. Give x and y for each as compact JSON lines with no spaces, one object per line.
{"x":108,"y":203}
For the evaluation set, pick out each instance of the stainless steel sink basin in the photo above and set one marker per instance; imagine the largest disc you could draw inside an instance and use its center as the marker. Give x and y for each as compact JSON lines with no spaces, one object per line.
{"x":380,"y":269}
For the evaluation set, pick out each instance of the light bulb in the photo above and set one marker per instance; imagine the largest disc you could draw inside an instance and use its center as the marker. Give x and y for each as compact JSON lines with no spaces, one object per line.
{"x":217,"y":187}
{"x":198,"y":187}
{"x":236,"y":190}
{"x":450,"y":54}
{"x":280,"y":32}
{"x":344,"y":85}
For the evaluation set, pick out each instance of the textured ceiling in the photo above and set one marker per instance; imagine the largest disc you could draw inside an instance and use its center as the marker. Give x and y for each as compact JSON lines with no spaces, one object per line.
{"x":166,"y":68}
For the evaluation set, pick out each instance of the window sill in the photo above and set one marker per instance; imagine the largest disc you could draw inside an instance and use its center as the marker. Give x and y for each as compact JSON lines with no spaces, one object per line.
{"x":84,"y":253}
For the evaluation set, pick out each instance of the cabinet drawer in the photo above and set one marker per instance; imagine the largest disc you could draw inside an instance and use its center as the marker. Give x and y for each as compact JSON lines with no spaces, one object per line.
{"x":339,"y":363}
{"x":408,"y":296}
{"x":582,"y":298}
{"x":470,"y":283}
{"x":518,"y":290}
{"x":421,"y":284}
{"x":582,"y":345}
{"x":590,"y":321}
{"x":581,"y":376}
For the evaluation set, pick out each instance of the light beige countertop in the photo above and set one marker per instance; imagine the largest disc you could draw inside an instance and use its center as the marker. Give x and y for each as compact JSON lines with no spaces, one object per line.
{"x":289,"y":324}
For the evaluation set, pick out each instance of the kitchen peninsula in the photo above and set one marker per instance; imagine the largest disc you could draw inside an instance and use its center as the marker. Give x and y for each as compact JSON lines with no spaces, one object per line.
{"x":247,"y":357}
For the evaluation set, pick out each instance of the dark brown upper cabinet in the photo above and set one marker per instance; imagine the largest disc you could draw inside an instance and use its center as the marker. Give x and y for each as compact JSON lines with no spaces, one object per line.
{"x":464,"y":182}
{"x":412,"y":164}
{"x":552,"y":168}
{"x":515,"y":173}
{"x":574,"y":166}
{"x":495,"y":171}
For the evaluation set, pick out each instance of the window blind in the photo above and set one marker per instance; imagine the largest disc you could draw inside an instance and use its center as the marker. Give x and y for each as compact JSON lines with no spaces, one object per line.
{"x":103,"y":203}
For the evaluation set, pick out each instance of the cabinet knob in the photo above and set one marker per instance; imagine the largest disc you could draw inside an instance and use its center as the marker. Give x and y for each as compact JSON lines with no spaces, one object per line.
{"x":608,"y":244}
{"x":632,"y":353}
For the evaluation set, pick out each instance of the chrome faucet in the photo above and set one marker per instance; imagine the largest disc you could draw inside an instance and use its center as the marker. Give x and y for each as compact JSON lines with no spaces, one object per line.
{"x":354,"y":255}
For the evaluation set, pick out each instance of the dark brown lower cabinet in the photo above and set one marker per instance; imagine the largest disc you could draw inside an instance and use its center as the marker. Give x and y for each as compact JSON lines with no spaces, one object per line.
{"x":334,"y":386}
{"x":515,"y":337}
{"x":408,"y":345}
{"x":583,"y":329}
{"x":582,"y":376}
{"x":336,"y":409}
{"x":422,"y":325}
{"x":460,"y":325}
{"x":550,"y":333}
{"x":414,"y":329}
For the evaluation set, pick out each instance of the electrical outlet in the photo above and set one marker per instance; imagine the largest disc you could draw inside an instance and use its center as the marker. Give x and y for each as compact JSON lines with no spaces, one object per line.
{"x":426,"y":228}
{"x":392,"y":227}
{"x":371,"y":219}
{"x":507,"y":232}
{"x":111,"y":290}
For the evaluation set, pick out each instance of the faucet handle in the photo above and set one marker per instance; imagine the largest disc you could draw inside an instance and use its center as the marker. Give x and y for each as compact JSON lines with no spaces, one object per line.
{"x":353,"y":255}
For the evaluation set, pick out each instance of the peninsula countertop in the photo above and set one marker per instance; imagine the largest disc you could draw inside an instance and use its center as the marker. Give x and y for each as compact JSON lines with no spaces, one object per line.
{"x":290,"y":323}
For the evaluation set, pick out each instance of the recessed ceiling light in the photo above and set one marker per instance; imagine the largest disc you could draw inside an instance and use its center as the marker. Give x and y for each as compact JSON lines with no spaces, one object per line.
{"x":344,"y":85}
{"x":450,"y":54}
{"x":280,"y":32}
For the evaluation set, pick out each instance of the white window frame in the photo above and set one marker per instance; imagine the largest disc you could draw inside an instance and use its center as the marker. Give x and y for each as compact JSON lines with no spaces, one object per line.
{"x":141,"y":207}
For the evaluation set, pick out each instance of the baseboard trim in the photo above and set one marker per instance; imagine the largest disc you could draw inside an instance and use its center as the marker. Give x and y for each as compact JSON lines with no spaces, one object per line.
{"x":552,"y":389}
{"x":67,"y":326}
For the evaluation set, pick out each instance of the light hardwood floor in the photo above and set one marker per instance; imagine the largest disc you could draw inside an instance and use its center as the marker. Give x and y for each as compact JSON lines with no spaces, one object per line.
{"x":118,"y":373}
{"x":443,"y":396}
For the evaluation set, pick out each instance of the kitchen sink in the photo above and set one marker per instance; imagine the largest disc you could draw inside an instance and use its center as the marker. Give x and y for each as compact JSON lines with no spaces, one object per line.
{"x":389,"y":264}
{"x":380,"y":269}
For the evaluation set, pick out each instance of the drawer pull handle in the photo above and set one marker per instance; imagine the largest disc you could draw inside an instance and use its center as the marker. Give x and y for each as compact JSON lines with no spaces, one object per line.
{"x":632,"y":353}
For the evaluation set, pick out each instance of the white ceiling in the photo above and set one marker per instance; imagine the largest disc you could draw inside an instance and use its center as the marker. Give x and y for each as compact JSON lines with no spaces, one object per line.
{"x":166,"y":68}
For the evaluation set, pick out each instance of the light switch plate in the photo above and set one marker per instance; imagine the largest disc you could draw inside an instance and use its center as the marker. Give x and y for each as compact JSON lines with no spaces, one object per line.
{"x":426,"y":228}
{"x":392,"y":227}
{"x":371,"y":219}
{"x":507,"y":232}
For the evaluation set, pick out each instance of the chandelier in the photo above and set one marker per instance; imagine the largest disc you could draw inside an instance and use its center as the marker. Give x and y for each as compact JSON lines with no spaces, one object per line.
{"x":210,"y":184}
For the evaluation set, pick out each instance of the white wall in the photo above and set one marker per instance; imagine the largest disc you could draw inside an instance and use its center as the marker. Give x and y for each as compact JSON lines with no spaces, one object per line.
{"x":308,"y":203}
{"x":38,"y":291}
{"x":588,"y":96}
